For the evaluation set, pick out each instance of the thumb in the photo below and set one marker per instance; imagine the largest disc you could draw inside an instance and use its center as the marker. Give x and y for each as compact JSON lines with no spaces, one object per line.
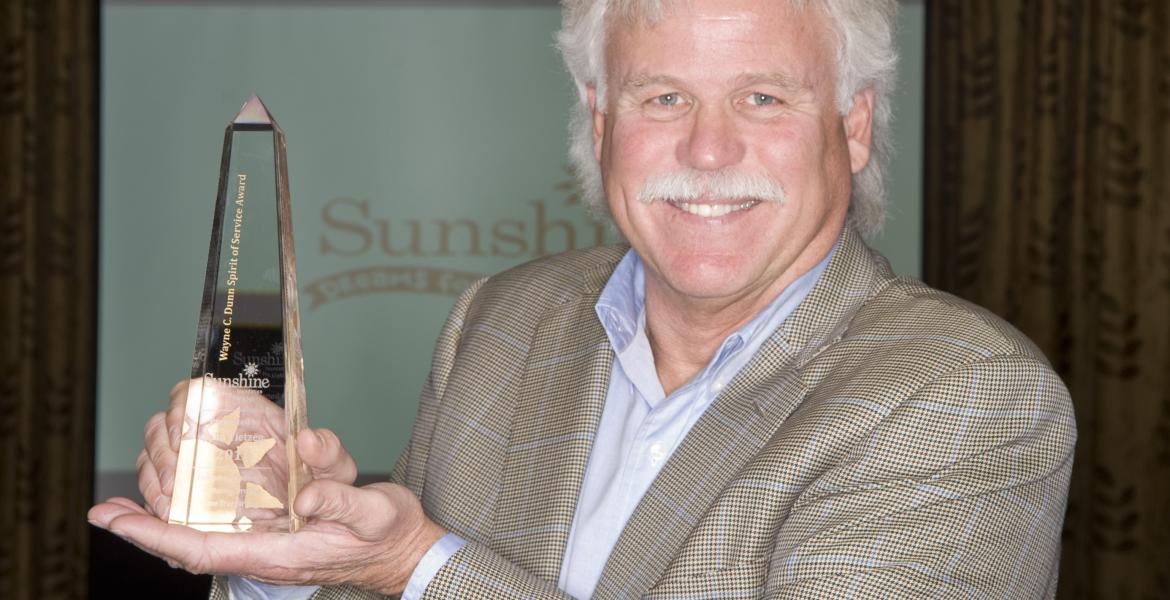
{"x":324,"y":454}
{"x":366,"y":513}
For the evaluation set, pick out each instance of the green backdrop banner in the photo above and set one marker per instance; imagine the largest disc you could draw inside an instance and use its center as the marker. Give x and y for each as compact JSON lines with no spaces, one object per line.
{"x":426,"y":148}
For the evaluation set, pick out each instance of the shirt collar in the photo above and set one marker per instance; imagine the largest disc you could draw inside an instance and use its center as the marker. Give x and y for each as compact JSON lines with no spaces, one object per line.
{"x":623,"y":301}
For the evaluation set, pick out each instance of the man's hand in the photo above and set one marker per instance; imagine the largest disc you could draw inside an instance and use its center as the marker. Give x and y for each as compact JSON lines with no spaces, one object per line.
{"x":371,"y":537}
{"x":157,"y":462}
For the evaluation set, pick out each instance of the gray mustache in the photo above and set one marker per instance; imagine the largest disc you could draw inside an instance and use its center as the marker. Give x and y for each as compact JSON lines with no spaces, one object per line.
{"x":688,"y":185}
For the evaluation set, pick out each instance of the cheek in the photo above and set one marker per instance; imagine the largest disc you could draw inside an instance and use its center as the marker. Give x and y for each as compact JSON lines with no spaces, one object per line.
{"x":788,"y":153}
{"x":638,"y":148}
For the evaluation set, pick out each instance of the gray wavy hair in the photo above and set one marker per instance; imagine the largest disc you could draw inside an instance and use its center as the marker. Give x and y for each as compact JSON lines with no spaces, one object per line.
{"x":866,"y":56}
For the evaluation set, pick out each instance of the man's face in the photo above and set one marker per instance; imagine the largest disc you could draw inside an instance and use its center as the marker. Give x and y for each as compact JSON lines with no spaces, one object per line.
{"x":728,"y":86}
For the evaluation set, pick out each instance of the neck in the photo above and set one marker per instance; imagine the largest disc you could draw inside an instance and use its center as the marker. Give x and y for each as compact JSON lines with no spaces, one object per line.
{"x":685,"y":332}
{"x":685,"y":338}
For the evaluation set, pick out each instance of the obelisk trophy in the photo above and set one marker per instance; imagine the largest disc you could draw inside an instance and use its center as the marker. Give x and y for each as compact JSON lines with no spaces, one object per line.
{"x":238,"y":469}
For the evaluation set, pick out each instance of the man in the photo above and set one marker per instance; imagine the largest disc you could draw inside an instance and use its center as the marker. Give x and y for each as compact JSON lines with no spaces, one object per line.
{"x":746,"y":404}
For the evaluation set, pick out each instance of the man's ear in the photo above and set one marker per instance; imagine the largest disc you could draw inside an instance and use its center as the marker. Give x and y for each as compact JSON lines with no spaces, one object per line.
{"x":598,"y":120}
{"x":859,"y":129}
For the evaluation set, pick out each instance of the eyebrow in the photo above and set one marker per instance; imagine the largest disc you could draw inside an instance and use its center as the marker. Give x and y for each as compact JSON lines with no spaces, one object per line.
{"x":640,"y":81}
{"x":781,"y":80}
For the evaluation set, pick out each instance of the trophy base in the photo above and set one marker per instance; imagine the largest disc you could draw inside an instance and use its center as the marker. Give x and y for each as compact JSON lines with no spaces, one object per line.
{"x":232,"y":469}
{"x":244,"y":525}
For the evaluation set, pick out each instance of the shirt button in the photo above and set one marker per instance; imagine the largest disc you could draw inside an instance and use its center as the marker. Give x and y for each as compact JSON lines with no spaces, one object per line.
{"x":717,"y":385}
{"x":657,"y":453}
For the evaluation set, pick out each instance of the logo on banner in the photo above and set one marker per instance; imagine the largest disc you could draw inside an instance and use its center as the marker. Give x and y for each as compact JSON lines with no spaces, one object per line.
{"x":356,"y":228}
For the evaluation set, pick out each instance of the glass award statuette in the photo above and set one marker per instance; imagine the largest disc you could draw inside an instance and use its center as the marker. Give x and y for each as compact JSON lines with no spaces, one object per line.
{"x":238,"y":469}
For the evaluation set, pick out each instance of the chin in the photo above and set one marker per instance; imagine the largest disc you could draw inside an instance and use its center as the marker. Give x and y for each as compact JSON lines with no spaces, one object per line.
{"x":708,"y":280}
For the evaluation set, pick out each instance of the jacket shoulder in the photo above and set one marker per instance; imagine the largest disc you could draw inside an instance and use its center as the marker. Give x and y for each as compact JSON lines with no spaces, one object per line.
{"x":928,"y":331}
{"x":914,"y":306}
{"x":535,"y":286}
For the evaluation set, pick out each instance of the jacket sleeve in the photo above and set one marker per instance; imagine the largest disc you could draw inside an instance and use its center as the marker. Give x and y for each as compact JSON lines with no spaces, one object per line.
{"x":475,"y":571}
{"x":958,"y":492}
{"x":410,"y":469}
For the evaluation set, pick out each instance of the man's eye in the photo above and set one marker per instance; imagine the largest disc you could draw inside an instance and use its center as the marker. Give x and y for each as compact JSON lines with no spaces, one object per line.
{"x":667,"y":100}
{"x":759,"y":99}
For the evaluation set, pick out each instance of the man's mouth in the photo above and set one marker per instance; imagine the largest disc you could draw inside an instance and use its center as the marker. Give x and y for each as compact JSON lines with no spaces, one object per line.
{"x":712,"y":210}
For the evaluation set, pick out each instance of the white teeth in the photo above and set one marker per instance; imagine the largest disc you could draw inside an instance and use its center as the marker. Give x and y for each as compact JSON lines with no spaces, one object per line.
{"x":713,"y":210}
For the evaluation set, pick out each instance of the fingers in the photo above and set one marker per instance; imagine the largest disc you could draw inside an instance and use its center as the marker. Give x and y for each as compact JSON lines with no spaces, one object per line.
{"x":156,"y":463}
{"x":157,"y":502}
{"x":177,"y":410}
{"x":126,"y":502}
{"x":160,"y":452}
{"x":183,"y":547}
{"x":102,"y":514}
{"x":268,"y":557}
{"x":325,"y":455}
{"x":162,"y":447}
{"x":180,"y":386}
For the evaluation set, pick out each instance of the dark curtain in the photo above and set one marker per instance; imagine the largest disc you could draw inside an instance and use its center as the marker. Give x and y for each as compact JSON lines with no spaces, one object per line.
{"x":47,"y":318}
{"x":1048,"y":137}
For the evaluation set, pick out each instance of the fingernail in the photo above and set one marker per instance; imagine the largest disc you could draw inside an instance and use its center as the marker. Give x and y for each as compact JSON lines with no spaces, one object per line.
{"x":320,"y":438}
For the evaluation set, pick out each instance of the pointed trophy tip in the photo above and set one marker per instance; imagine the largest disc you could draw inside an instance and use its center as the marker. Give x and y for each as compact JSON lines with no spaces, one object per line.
{"x":253,"y":113}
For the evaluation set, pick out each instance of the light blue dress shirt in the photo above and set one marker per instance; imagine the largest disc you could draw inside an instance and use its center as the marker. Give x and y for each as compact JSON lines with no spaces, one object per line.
{"x":640,"y":426}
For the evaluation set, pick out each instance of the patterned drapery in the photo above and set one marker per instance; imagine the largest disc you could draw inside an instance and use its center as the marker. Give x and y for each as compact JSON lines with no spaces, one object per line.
{"x":1048,"y":173}
{"x":47,"y":320}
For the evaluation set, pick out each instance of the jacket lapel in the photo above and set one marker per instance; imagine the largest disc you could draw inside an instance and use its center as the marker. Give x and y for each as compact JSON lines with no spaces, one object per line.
{"x":736,"y":425}
{"x":561,"y":396}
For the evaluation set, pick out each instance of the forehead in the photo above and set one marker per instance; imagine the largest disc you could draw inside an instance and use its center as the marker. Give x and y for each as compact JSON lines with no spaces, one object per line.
{"x":775,"y":35}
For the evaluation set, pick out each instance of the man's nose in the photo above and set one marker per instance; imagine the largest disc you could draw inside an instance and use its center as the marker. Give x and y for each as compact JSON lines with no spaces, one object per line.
{"x":713,"y":142}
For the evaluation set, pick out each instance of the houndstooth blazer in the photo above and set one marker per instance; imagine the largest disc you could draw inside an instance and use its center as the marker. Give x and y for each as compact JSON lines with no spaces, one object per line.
{"x":888,"y":440}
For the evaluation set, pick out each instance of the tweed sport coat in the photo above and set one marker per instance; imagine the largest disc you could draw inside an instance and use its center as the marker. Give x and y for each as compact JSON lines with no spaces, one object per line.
{"x":888,"y":440}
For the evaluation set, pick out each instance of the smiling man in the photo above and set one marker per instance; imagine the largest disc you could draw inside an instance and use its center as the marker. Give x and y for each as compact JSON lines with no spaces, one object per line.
{"x":743,"y":402}
{"x":699,"y":107}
